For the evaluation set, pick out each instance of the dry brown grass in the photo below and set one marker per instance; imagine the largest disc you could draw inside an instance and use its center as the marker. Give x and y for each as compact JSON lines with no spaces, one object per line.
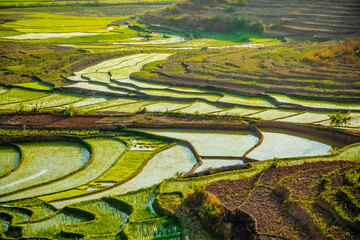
{"x":344,"y":52}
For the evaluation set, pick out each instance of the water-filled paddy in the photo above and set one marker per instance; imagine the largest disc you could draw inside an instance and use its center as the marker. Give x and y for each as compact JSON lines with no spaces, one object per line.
{"x":43,"y":162}
{"x":104,"y":155}
{"x":237,"y":111}
{"x":166,"y":106}
{"x":200,"y":108}
{"x":169,"y":93}
{"x":166,"y":164}
{"x":316,"y":103}
{"x":279,"y":143}
{"x":212,"y":142}
{"x":245,"y":100}
{"x":273,"y":114}
{"x":141,"y":84}
{"x":308,"y":117}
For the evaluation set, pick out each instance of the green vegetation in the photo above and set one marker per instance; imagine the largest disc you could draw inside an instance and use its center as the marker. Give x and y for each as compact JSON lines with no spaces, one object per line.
{"x":33,"y":132}
{"x":52,"y":100}
{"x":210,"y":15}
{"x":19,"y":95}
{"x":35,"y":85}
{"x":109,"y":220}
{"x":337,"y":119}
{"x":9,"y":157}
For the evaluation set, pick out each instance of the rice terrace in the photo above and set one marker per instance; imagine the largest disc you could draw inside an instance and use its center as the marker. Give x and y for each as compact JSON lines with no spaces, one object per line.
{"x":180,"y":119}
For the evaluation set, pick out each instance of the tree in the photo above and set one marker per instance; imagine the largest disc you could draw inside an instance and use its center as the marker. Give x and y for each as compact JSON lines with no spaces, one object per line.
{"x":337,"y":119}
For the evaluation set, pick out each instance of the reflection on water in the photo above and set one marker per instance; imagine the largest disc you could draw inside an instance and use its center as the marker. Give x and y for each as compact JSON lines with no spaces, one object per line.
{"x":284,"y":144}
{"x":213,"y":143}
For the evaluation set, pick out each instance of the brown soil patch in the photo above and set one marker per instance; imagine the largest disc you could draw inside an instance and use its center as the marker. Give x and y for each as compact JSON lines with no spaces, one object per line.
{"x":232,"y":193}
{"x":272,"y":176}
{"x":265,"y":206}
{"x":29,"y":120}
{"x":76,"y":122}
{"x":270,"y":208}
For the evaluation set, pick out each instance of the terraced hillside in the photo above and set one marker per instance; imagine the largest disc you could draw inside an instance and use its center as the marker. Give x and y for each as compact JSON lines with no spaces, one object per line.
{"x":327,"y":19}
{"x":134,"y":187}
{"x":296,"y":69}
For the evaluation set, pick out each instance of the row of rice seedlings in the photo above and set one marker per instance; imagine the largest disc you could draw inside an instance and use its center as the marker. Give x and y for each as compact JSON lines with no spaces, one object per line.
{"x":153,"y":228}
{"x":110,"y":220}
{"x":49,"y":228}
{"x":128,"y":108}
{"x":9,"y":159}
{"x":102,"y":77}
{"x":33,"y":132}
{"x":272,"y":114}
{"x":51,"y":100}
{"x":104,"y":155}
{"x":200,"y":108}
{"x":166,"y":106}
{"x":35,"y":85}
{"x":315,"y":103}
{"x":142,"y":201}
{"x":245,"y":100}
{"x":43,"y":162}
{"x":18,"y":95}
{"x":169,"y":163}
{"x":236,"y":111}
{"x":206,"y":143}
{"x":168,"y":93}
{"x":105,"y":104}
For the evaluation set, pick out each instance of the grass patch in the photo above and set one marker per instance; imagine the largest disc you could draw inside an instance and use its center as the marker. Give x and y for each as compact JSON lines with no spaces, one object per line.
{"x":35,"y":85}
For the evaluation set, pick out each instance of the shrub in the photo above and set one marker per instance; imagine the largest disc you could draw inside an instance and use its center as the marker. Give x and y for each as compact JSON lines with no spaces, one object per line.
{"x":208,"y":209}
{"x":230,"y":9}
{"x":257,"y":26}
